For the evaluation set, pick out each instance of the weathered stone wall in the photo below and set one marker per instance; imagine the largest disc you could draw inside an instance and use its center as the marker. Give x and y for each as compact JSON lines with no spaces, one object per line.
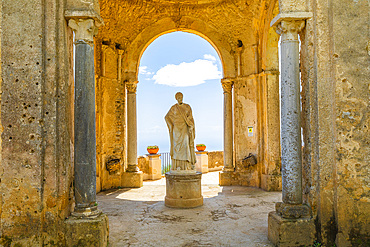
{"x":36,"y":169}
{"x":269,"y":105}
{"x":215,"y":160}
{"x":335,"y":59}
{"x":110,"y":115}
{"x":351,"y":68}
{"x":143,"y":164}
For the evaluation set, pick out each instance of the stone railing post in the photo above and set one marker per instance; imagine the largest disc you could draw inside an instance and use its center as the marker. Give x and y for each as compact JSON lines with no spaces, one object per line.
{"x":155,"y":167}
{"x":84,"y":118}
{"x":291,"y":215}
{"x":202,"y":161}
{"x":133,"y":177}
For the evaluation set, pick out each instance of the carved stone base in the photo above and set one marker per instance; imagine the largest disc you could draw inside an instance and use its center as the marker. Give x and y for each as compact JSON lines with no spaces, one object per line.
{"x":241,"y":178}
{"x":290,"y":232}
{"x":228,"y":178}
{"x":87,"y":231}
{"x":291,"y":211}
{"x":90,"y":212}
{"x":271,"y":182}
{"x":183,"y":190}
{"x":132,"y":179}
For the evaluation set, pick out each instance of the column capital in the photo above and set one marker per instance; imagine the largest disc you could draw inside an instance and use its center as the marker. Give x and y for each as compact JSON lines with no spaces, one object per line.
{"x":290,"y":24}
{"x":289,"y":29}
{"x":131,"y":86}
{"x":227,"y":85}
{"x":85,"y":29}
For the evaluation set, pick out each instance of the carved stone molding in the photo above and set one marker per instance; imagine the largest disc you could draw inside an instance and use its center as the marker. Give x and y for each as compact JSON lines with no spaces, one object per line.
{"x":227,"y":85}
{"x":131,"y":86}
{"x":289,"y":29}
{"x":85,"y":29}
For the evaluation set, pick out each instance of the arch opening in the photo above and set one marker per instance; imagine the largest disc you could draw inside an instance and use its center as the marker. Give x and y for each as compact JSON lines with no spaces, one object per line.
{"x":186,"y":62}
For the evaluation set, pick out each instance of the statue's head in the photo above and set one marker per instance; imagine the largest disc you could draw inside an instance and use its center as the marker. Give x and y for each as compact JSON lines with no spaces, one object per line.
{"x":179,"y":96}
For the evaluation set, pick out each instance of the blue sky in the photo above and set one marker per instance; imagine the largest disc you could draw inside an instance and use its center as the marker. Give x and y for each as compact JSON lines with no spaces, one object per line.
{"x":179,"y":62}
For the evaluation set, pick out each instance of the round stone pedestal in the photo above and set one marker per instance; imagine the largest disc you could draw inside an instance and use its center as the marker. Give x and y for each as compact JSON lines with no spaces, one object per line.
{"x":183,"y":190}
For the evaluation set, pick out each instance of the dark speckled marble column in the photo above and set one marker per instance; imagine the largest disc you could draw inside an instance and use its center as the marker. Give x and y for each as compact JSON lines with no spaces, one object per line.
{"x":84,"y":120}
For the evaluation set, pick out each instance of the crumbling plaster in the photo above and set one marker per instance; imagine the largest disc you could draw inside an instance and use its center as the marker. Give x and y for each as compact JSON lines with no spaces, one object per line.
{"x":335,"y":98}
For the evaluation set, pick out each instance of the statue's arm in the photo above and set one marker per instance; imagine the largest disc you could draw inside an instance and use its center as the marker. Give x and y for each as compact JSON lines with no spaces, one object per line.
{"x":189,"y":116}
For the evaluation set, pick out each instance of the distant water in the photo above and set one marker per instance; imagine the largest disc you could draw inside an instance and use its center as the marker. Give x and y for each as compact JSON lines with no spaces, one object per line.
{"x":165,"y":147}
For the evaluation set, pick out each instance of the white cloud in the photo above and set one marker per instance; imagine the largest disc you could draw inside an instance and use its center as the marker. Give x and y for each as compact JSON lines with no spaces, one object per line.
{"x":188,"y":74}
{"x":143,"y":70}
{"x":209,"y":57}
{"x":152,"y":130}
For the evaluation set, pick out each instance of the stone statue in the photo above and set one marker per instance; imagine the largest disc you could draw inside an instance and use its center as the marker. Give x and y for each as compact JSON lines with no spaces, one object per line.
{"x":181,"y":128}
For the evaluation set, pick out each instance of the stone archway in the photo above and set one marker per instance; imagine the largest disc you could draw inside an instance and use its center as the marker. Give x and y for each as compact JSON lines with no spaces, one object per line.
{"x":128,"y":68}
{"x":248,"y":100}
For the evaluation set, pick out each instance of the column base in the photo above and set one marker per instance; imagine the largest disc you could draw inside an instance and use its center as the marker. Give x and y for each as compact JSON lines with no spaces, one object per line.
{"x":183,"y":190}
{"x":90,"y":212}
{"x":290,"y":232}
{"x":292,"y":211}
{"x":271,"y":182}
{"x":228,"y":178}
{"x":132,"y":179}
{"x":87,"y":231}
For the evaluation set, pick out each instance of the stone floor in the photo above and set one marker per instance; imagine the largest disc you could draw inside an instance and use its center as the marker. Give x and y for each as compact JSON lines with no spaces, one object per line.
{"x":230,"y":216}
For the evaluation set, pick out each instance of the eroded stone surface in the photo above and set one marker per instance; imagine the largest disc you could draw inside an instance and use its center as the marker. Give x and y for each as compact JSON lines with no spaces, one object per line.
{"x":230,"y":216}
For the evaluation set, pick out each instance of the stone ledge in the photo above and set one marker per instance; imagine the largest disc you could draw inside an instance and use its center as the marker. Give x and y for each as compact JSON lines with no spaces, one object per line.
{"x":87,"y":232}
{"x":290,"y":232}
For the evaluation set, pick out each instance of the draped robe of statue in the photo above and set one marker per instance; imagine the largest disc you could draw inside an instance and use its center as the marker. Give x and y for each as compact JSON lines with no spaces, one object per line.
{"x":181,"y":128}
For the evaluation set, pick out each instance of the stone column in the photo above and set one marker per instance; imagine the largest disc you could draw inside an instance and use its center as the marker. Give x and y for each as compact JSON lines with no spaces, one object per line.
{"x":291,"y":154}
{"x":227,"y":175}
{"x":291,"y":217}
{"x":291,"y":112}
{"x":131,"y":127}
{"x":133,"y":177}
{"x":227,"y":86}
{"x":84,"y":119}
